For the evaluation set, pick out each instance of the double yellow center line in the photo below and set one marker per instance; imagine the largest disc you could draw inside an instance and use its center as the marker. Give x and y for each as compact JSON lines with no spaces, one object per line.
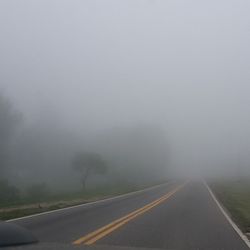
{"x":105,"y":230}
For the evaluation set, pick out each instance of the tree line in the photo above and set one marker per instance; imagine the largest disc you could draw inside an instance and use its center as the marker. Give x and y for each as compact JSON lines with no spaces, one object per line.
{"x":42,"y":156}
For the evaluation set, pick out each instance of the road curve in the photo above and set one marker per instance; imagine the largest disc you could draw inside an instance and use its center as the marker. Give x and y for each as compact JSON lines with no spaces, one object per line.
{"x":169,"y":216}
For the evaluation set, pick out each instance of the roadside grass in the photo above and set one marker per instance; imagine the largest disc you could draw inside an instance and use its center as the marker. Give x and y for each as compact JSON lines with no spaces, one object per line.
{"x":235,"y":197}
{"x":27,"y":206}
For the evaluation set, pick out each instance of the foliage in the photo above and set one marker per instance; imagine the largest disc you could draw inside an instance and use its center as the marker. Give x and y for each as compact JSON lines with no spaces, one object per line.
{"x":38,"y":192}
{"x":8,"y":193}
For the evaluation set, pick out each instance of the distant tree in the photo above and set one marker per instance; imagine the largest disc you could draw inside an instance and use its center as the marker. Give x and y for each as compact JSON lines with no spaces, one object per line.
{"x":88,"y":163}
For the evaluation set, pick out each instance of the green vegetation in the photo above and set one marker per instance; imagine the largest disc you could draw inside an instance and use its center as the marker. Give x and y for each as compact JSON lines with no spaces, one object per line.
{"x":235,"y":196}
{"x":38,"y":192}
{"x":27,"y":206}
{"x":40,"y":169}
{"x":7,"y":192}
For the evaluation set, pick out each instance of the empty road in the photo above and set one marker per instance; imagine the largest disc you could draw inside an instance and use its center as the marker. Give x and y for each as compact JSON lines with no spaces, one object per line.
{"x":170,"y":216}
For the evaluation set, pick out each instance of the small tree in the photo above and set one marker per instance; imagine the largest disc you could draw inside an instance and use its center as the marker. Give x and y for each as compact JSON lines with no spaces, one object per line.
{"x":88,"y":163}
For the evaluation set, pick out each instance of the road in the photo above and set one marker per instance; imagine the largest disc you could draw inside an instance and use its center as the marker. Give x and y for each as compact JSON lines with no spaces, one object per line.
{"x":170,"y":216}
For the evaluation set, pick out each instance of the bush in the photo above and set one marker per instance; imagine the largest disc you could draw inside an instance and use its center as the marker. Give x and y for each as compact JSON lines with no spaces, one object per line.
{"x":8,"y":193}
{"x":38,"y":192}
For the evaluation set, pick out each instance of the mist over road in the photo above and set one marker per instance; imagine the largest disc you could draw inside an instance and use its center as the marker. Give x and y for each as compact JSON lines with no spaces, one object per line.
{"x":102,"y":97}
{"x":185,"y":218}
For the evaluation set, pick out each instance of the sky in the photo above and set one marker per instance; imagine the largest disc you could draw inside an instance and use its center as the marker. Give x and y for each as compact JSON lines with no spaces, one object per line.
{"x":94,"y":65}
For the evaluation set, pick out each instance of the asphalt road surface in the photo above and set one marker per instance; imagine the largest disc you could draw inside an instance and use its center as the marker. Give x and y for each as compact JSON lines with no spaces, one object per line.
{"x":170,"y":216}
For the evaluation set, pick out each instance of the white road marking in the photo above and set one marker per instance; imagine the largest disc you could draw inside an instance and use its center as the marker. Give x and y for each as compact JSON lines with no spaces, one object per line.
{"x":89,"y":203}
{"x":235,"y":227}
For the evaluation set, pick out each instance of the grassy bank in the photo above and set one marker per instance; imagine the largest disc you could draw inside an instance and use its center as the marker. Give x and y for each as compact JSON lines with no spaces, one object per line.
{"x":25,"y":207}
{"x":235,"y":196}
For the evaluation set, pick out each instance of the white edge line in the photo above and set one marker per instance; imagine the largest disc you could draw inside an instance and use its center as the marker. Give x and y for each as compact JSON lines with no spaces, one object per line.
{"x":235,"y":227}
{"x":88,"y":203}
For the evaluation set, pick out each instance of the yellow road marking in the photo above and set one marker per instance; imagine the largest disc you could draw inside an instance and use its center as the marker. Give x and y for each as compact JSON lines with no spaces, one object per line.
{"x":105,"y":230}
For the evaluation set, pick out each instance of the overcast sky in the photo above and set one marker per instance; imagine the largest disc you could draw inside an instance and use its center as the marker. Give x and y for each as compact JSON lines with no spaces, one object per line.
{"x":183,"y":65}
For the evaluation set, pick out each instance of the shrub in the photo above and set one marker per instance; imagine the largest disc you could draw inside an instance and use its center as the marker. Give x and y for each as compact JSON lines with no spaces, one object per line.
{"x":38,"y":192}
{"x":8,"y":193}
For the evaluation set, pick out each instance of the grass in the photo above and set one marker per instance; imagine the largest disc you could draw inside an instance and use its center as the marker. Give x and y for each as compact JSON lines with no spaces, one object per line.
{"x":27,"y":206}
{"x":235,"y":196}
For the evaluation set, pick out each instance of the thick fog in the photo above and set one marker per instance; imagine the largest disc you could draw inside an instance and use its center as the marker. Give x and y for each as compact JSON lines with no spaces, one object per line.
{"x":161,"y":87}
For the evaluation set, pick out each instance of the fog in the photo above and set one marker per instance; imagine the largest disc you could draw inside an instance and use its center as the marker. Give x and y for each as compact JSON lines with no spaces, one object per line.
{"x":157,"y":87}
